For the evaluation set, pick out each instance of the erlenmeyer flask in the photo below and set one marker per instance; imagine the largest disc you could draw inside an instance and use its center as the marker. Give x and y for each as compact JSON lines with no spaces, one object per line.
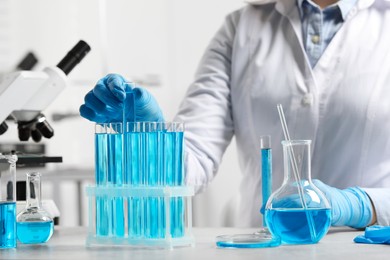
{"x":298,"y":212}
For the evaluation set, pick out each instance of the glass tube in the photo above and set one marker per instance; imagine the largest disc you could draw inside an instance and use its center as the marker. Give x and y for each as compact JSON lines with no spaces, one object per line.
{"x":8,"y":201}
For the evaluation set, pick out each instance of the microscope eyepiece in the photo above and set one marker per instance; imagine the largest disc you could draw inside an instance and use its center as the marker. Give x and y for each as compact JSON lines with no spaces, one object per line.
{"x":74,"y":56}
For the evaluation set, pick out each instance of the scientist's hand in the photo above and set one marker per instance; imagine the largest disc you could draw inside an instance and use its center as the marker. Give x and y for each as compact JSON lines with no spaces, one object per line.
{"x":350,"y":207}
{"x":105,"y":102}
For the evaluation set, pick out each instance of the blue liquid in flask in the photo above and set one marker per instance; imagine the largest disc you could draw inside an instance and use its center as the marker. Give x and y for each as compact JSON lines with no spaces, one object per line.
{"x":34,"y":232}
{"x":7,"y":224}
{"x":292,"y":226}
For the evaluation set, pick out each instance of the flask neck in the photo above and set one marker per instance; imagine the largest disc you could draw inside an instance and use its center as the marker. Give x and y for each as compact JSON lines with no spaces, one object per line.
{"x":33,"y":190}
{"x":297,"y":160}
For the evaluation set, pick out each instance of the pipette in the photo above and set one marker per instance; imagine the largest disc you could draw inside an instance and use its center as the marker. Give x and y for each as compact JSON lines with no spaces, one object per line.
{"x":128,"y":105}
{"x":295,"y":171}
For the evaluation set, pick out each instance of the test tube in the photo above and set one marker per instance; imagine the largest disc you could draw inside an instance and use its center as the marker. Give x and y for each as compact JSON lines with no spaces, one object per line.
{"x":266,"y":170}
{"x":101,"y":170}
{"x":176,"y":178}
{"x":115,"y":176}
{"x":8,"y":201}
{"x":133,"y":177}
{"x":151,"y":140}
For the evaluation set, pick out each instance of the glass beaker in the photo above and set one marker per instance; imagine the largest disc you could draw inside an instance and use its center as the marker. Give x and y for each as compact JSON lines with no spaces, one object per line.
{"x":7,"y":201}
{"x":298,"y":212}
{"x":34,"y":225}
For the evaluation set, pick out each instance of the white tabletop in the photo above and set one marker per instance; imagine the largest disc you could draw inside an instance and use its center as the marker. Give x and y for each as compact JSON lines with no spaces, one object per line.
{"x":69,"y":243}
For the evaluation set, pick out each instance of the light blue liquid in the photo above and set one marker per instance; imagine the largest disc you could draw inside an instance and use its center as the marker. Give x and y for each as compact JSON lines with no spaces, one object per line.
{"x":136,"y":217}
{"x":7,"y":224}
{"x":101,"y":155}
{"x":115,"y":165}
{"x":150,"y":143}
{"x":177,"y":217}
{"x":132,"y":159}
{"x":101,"y":170}
{"x":109,"y":169}
{"x":133,"y":176}
{"x":115,"y":178}
{"x":175,"y":177}
{"x":292,"y":226}
{"x":266,"y":176}
{"x":34,"y":232}
{"x":118,"y":213}
{"x":154,"y":159}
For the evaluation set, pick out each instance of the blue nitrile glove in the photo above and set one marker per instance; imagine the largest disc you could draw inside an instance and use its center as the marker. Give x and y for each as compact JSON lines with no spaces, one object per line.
{"x":350,"y":207}
{"x":104,"y":103}
{"x":375,"y":235}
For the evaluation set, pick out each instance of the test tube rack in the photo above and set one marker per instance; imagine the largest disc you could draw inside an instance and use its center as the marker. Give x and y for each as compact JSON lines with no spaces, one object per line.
{"x":168,"y":227}
{"x":140,"y":198}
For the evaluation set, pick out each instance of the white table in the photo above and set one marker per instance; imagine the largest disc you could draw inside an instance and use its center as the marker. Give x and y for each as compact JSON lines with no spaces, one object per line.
{"x":69,"y":243}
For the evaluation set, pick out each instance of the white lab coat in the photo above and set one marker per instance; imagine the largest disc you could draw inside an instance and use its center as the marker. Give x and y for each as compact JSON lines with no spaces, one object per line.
{"x":257,"y":60}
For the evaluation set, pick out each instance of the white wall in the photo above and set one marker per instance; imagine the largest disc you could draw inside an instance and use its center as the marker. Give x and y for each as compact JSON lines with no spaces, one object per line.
{"x":158,"y":40}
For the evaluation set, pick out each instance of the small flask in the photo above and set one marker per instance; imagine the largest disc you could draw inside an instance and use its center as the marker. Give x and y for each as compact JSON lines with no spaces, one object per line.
{"x":298,"y":212}
{"x":34,"y":225}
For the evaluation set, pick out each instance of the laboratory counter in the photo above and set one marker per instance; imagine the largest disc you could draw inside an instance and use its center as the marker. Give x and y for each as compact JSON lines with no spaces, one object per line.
{"x":69,"y":243}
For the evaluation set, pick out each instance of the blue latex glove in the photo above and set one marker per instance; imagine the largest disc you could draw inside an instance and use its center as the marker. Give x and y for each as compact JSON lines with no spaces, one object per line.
{"x":105,"y":102}
{"x":375,"y":235}
{"x":350,"y":207}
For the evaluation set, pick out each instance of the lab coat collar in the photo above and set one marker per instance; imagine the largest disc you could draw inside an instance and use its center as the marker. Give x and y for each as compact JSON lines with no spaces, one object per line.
{"x":284,"y":6}
{"x":344,"y":6}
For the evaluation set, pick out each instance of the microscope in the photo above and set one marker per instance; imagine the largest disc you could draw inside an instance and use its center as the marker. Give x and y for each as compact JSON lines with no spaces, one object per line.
{"x":24,"y":94}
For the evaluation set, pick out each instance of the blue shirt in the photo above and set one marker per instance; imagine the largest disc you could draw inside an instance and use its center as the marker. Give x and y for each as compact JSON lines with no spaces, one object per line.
{"x":319,"y":26}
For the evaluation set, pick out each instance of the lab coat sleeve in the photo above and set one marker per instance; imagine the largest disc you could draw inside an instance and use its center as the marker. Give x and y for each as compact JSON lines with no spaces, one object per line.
{"x":380,"y":197}
{"x":206,"y":110}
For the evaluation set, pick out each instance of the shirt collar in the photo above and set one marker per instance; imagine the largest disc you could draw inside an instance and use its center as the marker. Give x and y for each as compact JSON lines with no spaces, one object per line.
{"x":344,"y":5}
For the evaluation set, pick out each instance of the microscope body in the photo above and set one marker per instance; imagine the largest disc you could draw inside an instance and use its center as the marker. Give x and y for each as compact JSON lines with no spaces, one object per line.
{"x":24,"y":94}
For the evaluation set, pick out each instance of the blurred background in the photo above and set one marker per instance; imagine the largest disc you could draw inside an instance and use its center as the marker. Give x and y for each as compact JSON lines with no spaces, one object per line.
{"x":156,"y":43}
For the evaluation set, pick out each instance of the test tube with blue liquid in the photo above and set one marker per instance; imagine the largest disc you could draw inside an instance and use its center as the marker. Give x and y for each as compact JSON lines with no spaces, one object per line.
{"x":174,"y":172}
{"x":133,"y":178}
{"x":109,"y":174}
{"x":101,"y":174}
{"x":261,"y":238}
{"x":266,"y":172}
{"x":8,"y":201}
{"x":155,"y":204}
{"x":115,"y":177}
{"x":149,"y":141}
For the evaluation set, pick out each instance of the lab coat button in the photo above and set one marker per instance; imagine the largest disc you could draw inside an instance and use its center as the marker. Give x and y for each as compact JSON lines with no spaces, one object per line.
{"x":315,"y":39}
{"x":307,"y":100}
